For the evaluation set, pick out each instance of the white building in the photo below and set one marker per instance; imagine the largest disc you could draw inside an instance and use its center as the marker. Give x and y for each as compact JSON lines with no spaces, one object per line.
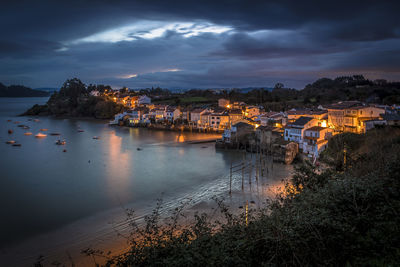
{"x":195,"y":115}
{"x":316,"y":140}
{"x":144,"y":100}
{"x":295,"y":131}
{"x":94,"y":93}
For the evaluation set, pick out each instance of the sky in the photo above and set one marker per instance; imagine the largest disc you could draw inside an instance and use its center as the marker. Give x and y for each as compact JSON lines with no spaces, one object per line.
{"x":197,"y":44}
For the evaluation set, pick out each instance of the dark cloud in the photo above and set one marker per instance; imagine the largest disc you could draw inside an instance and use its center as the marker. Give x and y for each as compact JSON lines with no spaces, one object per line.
{"x":290,"y":41}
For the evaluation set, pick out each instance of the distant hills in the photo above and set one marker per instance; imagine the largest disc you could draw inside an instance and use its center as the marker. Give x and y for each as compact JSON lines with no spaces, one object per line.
{"x":47,"y":89}
{"x":21,"y":91}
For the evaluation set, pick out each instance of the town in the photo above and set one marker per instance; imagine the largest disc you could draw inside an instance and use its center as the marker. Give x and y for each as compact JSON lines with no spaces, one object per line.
{"x":251,"y":127}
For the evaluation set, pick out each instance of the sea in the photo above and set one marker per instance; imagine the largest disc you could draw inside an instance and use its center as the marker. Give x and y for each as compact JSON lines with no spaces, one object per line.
{"x":59,"y":199}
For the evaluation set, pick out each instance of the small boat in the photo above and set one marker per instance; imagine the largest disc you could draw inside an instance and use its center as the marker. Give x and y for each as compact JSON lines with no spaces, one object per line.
{"x":29,"y":119}
{"x":80,"y":131}
{"x":40,"y":135}
{"x":96,"y":137}
{"x":54,"y":134}
{"x":60,"y":142}
{"x":26,"y":127}
{"x":10,"y":131}
{"x":8,"y":120}
{"x":17,"y":122}
{"x":138,"y":149}
{"x":20,"y":125}
{"x":36,"y":120}
{"x":10,"y":142}
{"x":64,"y":150}
{"x":16,"y":144}
{"x":43,"y":130}
{"x":28,"y":133}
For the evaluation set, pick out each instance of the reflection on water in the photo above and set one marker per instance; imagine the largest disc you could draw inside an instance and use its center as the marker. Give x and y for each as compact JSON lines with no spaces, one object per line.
{"x":49,"y":190}
{"x":118,"y":167}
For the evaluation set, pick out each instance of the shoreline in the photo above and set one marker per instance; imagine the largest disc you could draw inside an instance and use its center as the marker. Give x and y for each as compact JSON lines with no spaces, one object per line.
{"x":109,"y":236}
{"x":100,"y":231}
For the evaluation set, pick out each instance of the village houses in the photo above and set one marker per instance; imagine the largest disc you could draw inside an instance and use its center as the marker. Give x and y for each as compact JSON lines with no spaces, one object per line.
{"x":295,"y":131}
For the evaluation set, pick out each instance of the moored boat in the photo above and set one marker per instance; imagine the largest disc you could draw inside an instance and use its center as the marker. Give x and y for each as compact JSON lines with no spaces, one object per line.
{"x":28,"y":133}
{"x":15,"y":144}
{"x":96,"y":137}
{"x":40,"y":135}
{"x":10,"y":142}
{"x":10,"y":131}
{"x":43,"y":130}
{"x":80,"y":130}
{"x":54,"y":134}
{"x":61,"y":142}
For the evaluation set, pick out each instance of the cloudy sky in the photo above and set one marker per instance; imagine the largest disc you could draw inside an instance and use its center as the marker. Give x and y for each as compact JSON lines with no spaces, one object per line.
{"x":197,"y":44}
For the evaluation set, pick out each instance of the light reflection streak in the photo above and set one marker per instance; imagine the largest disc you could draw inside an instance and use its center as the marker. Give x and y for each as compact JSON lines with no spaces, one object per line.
{"x":118,"y":167}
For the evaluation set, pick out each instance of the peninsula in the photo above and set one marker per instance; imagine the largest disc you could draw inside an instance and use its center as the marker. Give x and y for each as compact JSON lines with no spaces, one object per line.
{"x":20,"y":91}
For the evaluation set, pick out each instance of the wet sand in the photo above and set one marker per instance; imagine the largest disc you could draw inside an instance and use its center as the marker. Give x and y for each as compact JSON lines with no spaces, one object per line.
{"x":101,"y":231}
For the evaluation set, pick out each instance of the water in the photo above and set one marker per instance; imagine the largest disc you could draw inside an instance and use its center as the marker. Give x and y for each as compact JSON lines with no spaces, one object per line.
{"x":46,"y":193}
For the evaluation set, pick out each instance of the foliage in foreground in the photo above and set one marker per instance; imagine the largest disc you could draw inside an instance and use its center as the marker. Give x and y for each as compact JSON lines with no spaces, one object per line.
{"x":328,"y":218}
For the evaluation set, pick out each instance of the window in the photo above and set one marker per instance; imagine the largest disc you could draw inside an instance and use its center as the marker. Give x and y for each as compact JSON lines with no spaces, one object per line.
{"x":212,"y":118}
{"x":360,"y":112}
{"x":354,"y":112}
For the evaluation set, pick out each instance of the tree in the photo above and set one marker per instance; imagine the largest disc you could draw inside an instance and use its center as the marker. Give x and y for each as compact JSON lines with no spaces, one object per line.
{"x":73,"y":89}
{"x":278,"y":86}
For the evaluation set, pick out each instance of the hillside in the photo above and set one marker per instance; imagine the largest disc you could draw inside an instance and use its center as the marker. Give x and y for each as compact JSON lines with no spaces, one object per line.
{"x":20,"y":91}
{"x":74,"y":100}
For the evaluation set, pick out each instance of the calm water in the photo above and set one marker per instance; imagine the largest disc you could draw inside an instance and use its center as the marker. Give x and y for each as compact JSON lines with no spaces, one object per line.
{"x":43,"y":189}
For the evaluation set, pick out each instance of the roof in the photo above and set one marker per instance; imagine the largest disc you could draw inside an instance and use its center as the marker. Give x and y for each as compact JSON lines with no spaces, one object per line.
{"x":235,"y":112}
{"x":219,"y":114}
{"x":302,"y":121}
{"x":265,"y":128}
{"x":243,"y":125}
{"x":316,"y":128}
{"x":197,"y":110}
{"x":306,"y":112}
{"x":344,"y":105}
{"x":269,"y":114}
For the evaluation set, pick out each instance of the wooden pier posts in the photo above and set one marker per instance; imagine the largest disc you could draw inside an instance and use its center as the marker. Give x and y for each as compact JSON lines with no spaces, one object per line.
{"x":230,"y":181}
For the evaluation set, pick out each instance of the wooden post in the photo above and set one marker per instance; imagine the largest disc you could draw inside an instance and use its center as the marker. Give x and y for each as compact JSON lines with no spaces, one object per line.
{"x":230,"y":181}
{"x":242,"y":175}
{"x":247,"y":212}
{"x":250,"y":171}
{"x":257,"y":170}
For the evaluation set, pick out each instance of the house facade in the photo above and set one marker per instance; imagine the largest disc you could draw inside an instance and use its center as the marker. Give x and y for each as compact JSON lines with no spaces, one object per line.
{"x":350,"y":116}
{"x":316,"y":140}
{"x":219,"y":122}
{"x":295,"y":131}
